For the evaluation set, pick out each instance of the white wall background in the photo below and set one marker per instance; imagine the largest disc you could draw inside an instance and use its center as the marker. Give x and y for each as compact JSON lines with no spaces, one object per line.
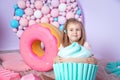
{"x":8,"y":39}
{"x":102,"y":23}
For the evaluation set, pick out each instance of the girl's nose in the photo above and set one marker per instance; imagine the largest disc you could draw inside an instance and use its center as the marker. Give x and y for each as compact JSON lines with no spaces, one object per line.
{"x":75,"y":31}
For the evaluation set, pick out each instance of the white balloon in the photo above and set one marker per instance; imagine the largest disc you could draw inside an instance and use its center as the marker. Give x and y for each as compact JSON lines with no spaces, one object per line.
{"x":19,"y":33}
{"x":37,"y":14}
{"x":62,"y":7}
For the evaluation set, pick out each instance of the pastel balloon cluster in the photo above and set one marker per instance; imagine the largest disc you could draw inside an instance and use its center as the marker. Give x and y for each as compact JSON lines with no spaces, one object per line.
{"x":56,"y":12}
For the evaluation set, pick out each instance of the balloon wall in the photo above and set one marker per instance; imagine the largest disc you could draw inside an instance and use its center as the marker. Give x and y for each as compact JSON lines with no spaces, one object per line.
{"x":56,"y":12}
{"x":101,"y":19}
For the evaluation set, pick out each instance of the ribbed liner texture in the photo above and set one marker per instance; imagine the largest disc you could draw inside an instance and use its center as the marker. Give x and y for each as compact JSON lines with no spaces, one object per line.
{"x":75,"y":71}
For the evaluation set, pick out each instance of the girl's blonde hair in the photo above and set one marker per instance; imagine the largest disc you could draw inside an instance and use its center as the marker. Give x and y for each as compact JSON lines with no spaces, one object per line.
{"x":65,"y":40}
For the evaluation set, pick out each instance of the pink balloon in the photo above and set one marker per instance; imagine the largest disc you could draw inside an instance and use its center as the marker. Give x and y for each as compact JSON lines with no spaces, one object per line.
{"x":14,"y":30}
{"x":28,"y":11}
{"x":19,"y":33}
{"x":21,"y":4}
{"x":32,"y":6}
{"x":28,"y":17}
{"x":18,"y":17}
{"x":24,"y":28}
{"x":51,"y":19}
{"x":32,"y":1}
{"x":28,"y":5}
{"x":74,"y":5}
{"x":56,"y":24}
{"x":44,"y":19}
{"x":31,"y":22}
{"x":24,"y":16}
{"x":45,"y":10}
{"x":38,"y":4}
{"x":20,"y":27}
{"x":70,"y":15}
{"x":72,"y":0}
{"x":54,"y":12}
{"x":37,"y":20}
{"x":54,"y":3}
{"x":68,"y":8}
{"x":76,"y":16}
{"x":61,"y":20}
{"x":32,"y":17}
{"x":62,"y":1}
{"x":23,"y":22}
{"x":48,"y":15}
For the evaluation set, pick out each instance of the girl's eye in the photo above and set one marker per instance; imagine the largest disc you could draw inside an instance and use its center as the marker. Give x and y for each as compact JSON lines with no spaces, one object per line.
{"x":71,"y":30}
{"x":77,"y":29}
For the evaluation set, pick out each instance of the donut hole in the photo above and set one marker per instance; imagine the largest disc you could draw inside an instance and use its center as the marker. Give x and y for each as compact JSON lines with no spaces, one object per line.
{"x":38,"y":48}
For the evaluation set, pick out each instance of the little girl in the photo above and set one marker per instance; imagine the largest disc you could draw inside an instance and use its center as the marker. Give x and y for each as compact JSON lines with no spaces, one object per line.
{"x":74,"y":32}
{"x":74,"y":58}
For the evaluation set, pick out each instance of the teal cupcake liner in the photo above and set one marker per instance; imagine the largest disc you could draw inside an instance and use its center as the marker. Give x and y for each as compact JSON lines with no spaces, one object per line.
{"x":75,"y":71}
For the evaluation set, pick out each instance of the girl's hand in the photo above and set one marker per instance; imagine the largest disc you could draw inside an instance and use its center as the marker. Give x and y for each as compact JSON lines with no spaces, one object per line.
{"x":90,"y":60}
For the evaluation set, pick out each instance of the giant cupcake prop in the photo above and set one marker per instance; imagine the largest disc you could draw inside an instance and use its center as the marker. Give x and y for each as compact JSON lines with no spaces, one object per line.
{"x":75,"y":63}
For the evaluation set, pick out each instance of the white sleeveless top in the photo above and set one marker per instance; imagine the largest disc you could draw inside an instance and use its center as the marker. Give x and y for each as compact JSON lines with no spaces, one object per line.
{"x":86,"y":45}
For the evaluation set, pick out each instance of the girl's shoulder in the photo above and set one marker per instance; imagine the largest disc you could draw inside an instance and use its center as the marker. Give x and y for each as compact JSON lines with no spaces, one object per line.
{"x":61,"y":46}
{"x":86,"y":45}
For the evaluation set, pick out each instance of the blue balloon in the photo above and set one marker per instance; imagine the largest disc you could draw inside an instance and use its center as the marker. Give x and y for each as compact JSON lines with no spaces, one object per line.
{"x":14,"y":23}
{"x":79,"y":12}
{"x":19,"y":12}
{"x":55,"y":19}
{"x":61,"y":27}
{"x":16,"y":6}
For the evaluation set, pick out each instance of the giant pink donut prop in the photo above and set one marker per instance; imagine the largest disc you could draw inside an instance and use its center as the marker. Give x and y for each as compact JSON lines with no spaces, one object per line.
{"x":31,"y":34}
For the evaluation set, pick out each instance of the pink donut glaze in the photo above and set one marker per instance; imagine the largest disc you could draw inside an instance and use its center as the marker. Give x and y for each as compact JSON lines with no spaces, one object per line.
{"x":37,"y":32}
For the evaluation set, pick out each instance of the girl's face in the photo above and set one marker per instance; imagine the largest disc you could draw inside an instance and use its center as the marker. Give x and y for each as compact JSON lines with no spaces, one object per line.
{"x":74,"y":32}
